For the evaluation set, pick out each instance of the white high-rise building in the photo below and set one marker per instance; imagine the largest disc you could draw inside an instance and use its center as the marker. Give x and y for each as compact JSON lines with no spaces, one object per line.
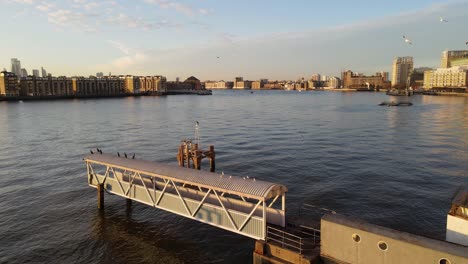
{"x":16,"y":67}
{"x":35,"y":73}
{"x":44,"y":72}
{"x":24,"y":73}
{"x":402,"y":67}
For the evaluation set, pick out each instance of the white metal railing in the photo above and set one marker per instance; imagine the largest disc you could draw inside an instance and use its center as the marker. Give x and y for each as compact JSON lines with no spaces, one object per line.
{"x":306,"y":239}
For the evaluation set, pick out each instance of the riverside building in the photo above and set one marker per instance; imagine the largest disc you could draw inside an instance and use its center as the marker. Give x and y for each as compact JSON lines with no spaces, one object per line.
{"x":93,"y":86}
{"x":452,"y":74}
{"x":218,"y":85}
{"x":334,"y":82}
{"x":353,"y":80}
{"x":453,"y":58}
{"x":8,"y":84}
{"x":454,"y":77}
{"x":50,"y":86}
{"x":152,"y":84}
{"x":402,"y":68}
{"x":257,"y":85}
{"x":239,"y":83}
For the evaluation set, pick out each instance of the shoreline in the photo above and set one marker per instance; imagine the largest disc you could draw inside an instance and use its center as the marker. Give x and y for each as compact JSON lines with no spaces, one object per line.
{"x":78,"y":97}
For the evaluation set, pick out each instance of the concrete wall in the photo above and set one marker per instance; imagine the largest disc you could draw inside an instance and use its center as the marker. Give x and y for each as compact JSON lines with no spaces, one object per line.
{"x":347,"y":240}
{"x":457,"y":230}
{"x":268,"y":253}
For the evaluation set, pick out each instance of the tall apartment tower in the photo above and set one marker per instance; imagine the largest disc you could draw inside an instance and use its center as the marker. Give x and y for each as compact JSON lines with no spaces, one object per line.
{"x":402,"y":67}
{"x":44,"y":72}
{"x":16,"y":67}
{"x":36,"y":73}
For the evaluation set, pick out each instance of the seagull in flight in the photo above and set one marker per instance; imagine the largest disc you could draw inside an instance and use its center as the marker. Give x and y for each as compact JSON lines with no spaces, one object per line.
{"x":217,"y":57}
{"x":466,"y":43}
{"x":443,"y":20}
{"x":407,"y":40}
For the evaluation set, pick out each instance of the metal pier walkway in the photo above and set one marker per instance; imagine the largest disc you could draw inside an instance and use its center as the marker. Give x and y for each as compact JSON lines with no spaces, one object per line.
{"x":238,"y":204}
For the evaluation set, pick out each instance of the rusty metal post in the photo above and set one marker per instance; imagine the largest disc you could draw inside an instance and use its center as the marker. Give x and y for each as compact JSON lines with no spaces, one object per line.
{"x":100,"y":193}
{"x":182,"y":156}
{"x":199,"y":159}
{"x":187,"y":152}
{"x":196,"y":158}
{"x":212,"y":159}
{"x":179,"y":156}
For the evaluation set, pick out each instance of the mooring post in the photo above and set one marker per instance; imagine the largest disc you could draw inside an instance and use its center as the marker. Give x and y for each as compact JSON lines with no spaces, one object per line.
{"x":129,"y":203}
{"x":182,"y":156}
{"x":100,"y":190}
{"x":212,"y":159}
{"x":196,"y":158}
{"x":179,"y":156}
{"x":187,"y":152}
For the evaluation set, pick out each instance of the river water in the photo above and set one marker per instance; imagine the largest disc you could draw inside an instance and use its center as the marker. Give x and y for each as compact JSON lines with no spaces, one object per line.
{"x":393,"y":166}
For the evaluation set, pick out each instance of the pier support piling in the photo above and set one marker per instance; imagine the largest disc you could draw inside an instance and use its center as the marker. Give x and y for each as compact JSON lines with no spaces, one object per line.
{"x":212,"y":159}
{"x":100,"y":193}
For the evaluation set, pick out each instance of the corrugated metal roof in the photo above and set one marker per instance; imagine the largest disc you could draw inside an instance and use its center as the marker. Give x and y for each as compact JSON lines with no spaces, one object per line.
{"x":225,"y":183}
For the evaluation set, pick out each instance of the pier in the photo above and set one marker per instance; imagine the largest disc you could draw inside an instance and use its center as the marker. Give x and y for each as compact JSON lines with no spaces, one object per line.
{"x":238,"y":204}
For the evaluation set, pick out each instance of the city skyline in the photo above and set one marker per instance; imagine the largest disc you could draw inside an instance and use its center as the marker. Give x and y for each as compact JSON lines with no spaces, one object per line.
{"x":204,"y":38}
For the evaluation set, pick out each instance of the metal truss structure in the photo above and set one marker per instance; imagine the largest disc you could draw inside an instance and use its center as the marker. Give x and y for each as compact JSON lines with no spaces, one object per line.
{"x":243,"y":206}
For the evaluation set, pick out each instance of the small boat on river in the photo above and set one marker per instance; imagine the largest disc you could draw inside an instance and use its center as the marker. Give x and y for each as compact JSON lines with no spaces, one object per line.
{"x":395,"y":103}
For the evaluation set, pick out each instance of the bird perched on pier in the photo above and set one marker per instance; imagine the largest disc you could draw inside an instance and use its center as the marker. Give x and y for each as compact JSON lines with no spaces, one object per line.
{"x":91,"y":151}
{"x":466,"y":43}
{"x":133,"y":157}
{"x":118,"y":154}
{"x":407,"y":40}
{"x":125,"y":154}
{"x":443,"y":20}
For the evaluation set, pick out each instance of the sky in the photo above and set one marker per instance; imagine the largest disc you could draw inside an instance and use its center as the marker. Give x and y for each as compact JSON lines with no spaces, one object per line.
{"x":220,"y":39}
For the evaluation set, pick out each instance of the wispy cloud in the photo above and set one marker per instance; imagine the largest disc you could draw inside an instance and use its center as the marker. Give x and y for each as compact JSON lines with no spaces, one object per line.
{"x":131,"y":58}
{"x":45,"y":7}
{"x":127,"y":21}
{"x":179,"y":7}
{"x":205,"y":11}
{"x":92,"y":16}
{"x":120,"y":46}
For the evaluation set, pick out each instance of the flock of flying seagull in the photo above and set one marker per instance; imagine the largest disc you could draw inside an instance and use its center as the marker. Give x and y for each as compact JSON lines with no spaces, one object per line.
{"x":442,"y":20}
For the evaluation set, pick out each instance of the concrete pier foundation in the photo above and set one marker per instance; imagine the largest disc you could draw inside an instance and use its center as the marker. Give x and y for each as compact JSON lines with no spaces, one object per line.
{"x":266,"y":253}
{"x":100,"y":196}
